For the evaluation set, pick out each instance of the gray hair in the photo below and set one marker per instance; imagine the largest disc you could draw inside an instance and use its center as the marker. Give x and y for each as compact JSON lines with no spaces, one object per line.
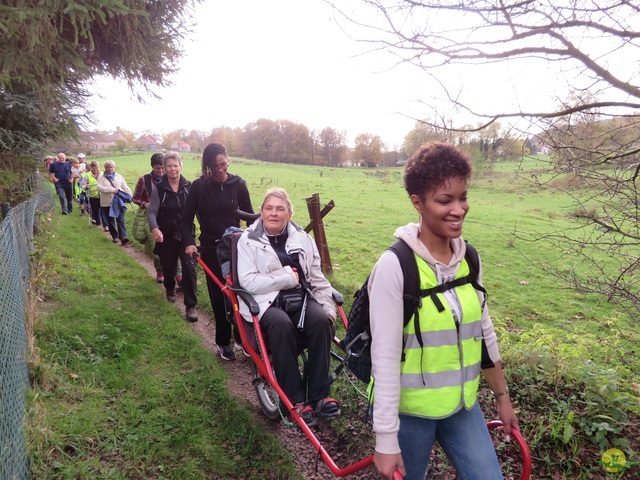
{"x":280,"y":193}
{"x":173,"y":156}
{"x":109,"y":162}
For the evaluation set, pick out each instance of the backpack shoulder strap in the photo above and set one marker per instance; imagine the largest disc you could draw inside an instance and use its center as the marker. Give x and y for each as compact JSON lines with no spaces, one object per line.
{"x":473,"y":260}
{"x":411,"y":290}
{"x":471,"y":256}
{"x":147,"y":183}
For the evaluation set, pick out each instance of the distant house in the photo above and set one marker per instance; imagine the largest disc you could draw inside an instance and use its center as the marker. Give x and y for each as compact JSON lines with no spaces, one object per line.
{"x":180,"y":147}
{"x":149,"y":142}
{"x":93,"y":143}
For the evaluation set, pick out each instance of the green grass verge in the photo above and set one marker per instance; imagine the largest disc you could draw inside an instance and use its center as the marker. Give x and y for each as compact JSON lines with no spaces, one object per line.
{"x":123,"y":388}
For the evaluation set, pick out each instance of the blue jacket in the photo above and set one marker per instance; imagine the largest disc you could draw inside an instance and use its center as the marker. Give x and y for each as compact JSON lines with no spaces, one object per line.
{"x":118,"y":204}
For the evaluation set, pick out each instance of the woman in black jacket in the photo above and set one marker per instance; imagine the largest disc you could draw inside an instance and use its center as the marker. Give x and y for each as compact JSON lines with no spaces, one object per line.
{"x":214,"y":199}
{"x":168,"y":199}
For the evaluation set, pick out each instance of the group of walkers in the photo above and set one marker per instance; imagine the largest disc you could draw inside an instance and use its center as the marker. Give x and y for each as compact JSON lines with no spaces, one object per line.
{"x":167,"y":204}
{"x":100,"y":195}
{"x":425,"y":371}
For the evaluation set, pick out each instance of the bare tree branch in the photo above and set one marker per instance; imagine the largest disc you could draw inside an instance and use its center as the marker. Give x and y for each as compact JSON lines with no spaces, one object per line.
{"x":591,"y":132}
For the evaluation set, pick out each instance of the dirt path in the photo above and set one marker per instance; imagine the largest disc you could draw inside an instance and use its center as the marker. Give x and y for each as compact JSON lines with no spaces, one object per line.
{"x":305,"y":456}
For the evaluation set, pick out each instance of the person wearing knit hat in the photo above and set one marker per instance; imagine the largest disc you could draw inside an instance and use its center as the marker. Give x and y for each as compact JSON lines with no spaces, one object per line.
{"x":214,"y":198}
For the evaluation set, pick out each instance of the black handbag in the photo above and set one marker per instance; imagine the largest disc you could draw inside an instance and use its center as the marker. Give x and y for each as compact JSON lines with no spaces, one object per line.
{"x":291,"y":300}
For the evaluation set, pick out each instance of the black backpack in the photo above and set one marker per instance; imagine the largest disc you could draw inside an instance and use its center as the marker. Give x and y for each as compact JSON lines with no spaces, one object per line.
{"x":358,"y":338}
{"x":223,"y":251}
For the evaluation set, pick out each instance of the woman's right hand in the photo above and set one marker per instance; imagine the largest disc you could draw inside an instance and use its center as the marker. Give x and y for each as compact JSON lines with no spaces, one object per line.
{"x":190,"y":250}
{"x":157,"y":235}
{"x":387,"y":464}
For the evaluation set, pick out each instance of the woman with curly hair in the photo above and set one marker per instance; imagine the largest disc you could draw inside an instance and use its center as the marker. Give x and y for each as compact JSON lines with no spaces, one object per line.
{"x":214,"y":198}
{"x":426,"y":371}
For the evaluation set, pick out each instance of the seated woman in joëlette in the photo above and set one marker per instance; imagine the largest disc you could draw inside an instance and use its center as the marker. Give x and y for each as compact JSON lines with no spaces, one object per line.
{"x":279,"y":264}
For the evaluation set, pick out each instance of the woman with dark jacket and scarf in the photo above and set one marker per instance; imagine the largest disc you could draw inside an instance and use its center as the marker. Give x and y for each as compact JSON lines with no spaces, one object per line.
{"x":168,"y":199}
{"x":214,"y":199}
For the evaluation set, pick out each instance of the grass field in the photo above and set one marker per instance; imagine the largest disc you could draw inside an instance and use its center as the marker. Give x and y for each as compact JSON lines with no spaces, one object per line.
{"x":122,"y":387}
{"x":571,"y":359}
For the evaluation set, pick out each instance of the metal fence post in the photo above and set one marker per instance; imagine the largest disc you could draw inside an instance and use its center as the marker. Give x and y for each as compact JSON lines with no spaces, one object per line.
{"x":5,"y":209}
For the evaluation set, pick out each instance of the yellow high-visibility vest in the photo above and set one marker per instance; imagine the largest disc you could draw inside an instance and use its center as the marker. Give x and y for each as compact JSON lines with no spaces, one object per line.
{"x":93,"y":185}
{"x":441,"y":376}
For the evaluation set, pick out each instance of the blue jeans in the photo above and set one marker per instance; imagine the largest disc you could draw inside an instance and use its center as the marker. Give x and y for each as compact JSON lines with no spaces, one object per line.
{"x":66,"y":196}
{"x":464,"y":437}
{"x":117,"y":227}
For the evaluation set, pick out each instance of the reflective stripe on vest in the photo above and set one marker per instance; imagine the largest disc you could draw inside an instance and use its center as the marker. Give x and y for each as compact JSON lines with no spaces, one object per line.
{"x":442,"y":376}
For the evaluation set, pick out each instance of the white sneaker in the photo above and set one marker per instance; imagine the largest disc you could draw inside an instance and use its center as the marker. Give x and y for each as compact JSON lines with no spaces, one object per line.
{"x":240,"y":346}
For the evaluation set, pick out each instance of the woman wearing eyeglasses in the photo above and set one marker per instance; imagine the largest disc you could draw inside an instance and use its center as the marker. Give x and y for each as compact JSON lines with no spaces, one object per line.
{"x":214,"y":198}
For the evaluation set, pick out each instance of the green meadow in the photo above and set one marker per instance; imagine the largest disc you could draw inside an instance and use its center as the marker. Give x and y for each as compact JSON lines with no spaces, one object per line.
{"x":570,"y":359}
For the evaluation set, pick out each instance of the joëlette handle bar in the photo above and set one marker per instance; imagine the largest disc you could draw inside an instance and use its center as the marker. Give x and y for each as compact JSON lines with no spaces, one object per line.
{"x":246,"y":216}
{"x":522,"y":445}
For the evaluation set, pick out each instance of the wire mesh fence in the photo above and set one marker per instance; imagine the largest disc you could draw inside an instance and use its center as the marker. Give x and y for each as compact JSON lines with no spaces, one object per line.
{"x":16,"y":247}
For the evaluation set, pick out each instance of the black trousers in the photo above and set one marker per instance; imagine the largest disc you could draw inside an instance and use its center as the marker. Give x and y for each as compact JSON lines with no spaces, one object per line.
{"x":169,"y":251}
{"x":219,"y":303}
{"x":94,"y":202}
{"x":284,"y":340}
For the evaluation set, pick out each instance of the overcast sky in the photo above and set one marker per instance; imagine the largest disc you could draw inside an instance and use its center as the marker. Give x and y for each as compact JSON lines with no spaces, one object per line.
{"x":284,"y":60}
{"x":278,"y":59}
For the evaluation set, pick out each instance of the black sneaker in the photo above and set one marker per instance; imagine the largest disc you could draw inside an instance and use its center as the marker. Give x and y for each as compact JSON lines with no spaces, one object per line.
{"x":239,"y":346}
{"x":124,"y":241}
{"x":171,"y":296}
{"x":226,"y":352}
{"x":327,"y":407}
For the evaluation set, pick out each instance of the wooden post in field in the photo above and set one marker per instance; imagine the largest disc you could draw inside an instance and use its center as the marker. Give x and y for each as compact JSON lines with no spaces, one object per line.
{"x":313,"y":204}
